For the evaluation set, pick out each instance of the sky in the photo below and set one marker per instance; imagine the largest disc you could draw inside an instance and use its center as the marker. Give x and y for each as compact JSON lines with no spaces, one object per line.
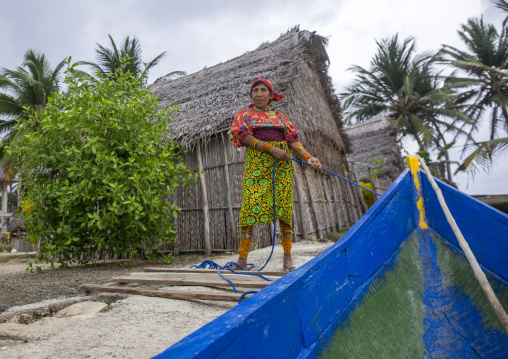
{"x":199,"y":33}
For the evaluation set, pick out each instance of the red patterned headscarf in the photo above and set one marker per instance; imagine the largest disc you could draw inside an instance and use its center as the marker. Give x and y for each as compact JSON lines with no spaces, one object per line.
{"x":276,"y":96}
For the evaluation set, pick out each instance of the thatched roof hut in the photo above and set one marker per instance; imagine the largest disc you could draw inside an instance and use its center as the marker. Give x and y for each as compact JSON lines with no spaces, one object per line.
{"x":375,"y":140}
{"x":296,"y":63}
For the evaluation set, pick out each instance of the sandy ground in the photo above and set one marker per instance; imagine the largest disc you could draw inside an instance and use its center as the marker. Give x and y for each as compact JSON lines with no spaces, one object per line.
{"x":135,"y":327}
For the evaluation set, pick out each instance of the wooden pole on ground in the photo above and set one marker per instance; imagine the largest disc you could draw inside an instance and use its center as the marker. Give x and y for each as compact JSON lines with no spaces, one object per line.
{"x":480,"y":276}
{"x":208,"y":246}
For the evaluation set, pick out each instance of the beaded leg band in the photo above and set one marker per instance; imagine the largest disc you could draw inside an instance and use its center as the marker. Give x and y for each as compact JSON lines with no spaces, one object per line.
{"x":245,"y":238}
{"x":287,"y":236}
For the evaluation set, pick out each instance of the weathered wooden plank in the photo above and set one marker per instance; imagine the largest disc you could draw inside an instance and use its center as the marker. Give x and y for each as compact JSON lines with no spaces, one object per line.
{"x":224,"y":297}
{"x":190,"y":270}
{"x":207,"y":276}
{"x":188,"y":279}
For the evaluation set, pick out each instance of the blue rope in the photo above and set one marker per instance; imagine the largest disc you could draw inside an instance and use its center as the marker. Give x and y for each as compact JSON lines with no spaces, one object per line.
{"x":257,"y":275}
{"x":212,"y":265}
{"x":227,"y":280}
{"x":227,"y":266}
{"x":345,"y":179}
{"x":244,"y":294}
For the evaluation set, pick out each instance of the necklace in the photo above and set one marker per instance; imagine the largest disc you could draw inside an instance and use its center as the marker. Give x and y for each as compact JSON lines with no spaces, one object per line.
{"x":267,"y":110}
{"x":258,"y":109}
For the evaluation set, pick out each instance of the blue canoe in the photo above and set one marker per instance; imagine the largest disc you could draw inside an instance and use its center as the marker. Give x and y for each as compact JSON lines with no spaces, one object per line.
{"x":395,"y":285}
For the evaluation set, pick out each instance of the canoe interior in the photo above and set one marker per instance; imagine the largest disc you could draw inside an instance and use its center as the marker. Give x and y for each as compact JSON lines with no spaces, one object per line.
{"x":428,"y":303}
{"x":300,"y":314}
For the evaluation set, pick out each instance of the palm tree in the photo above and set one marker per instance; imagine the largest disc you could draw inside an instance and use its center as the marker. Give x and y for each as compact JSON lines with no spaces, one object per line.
{"x":127,"y":58}
{"x":501,"y":4}
{"x":483,"y":86}
{"x":27,"y":90}
{"x":403,"y":85}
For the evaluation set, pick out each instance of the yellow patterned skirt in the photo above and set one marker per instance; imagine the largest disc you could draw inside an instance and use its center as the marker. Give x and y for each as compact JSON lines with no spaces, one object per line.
{"x":257,"y":204}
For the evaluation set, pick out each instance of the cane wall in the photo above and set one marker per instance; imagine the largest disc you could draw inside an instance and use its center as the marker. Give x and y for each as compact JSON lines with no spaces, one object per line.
{"x":322,"y":203}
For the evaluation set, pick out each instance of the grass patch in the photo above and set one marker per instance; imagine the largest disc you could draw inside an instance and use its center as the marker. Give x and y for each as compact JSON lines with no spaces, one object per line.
{"x":334,"y":236}
{"x":8,"y":257}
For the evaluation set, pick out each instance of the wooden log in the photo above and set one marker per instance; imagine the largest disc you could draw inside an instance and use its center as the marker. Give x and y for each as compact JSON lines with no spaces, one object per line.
{"x":208,"y":246}
{"x":196,"y":270}
{"x":234,"y":232}
{"x":224,"y":297}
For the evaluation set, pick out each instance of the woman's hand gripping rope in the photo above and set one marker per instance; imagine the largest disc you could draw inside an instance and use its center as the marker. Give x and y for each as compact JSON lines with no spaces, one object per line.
{"x":314,"y":163}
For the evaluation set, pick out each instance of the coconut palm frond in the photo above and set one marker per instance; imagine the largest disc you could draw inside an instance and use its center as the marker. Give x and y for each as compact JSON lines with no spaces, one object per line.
{"x":125,"y":58}
{"x":501,"y":4}
{"x":7,"y":126}
{"x":483,"y":154}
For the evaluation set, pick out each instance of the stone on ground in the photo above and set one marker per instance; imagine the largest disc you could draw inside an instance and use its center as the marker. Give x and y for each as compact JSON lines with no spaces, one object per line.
{"x":82,"y":308}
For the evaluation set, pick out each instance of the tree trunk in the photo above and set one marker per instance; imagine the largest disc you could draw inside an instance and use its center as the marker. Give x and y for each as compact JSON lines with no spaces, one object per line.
{"x":420,"y":143}
{"x":5,"y":198}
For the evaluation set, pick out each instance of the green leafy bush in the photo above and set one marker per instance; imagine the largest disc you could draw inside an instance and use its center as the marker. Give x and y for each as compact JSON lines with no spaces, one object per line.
{"x":99,"y":168}
{"x":368,"y":197}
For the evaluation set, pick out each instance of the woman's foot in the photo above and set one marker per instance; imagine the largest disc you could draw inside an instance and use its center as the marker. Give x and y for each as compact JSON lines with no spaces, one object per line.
{"x":288,"y":264}
{"x":241,"y":264}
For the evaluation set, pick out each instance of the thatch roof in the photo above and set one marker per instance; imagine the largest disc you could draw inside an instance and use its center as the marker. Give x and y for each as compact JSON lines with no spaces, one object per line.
{"x":296,"y":63}
{"x":375,"y":139}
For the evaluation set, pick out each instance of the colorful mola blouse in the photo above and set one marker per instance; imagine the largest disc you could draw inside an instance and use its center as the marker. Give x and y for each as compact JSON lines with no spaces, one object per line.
{"x":248,"y":120}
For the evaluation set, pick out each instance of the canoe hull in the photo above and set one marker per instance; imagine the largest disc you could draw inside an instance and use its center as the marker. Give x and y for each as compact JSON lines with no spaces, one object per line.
{"x":297,"y":315}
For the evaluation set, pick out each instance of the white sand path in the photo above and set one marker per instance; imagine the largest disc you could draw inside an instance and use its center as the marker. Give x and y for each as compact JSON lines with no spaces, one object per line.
{"x":135,"y":327}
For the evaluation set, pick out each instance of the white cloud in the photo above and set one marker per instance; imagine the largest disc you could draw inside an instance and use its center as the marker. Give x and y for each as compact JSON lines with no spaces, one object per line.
{"x":198,"y":33}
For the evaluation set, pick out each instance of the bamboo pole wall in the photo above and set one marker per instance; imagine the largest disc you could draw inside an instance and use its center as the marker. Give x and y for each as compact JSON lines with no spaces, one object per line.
{"x":322,"y":203}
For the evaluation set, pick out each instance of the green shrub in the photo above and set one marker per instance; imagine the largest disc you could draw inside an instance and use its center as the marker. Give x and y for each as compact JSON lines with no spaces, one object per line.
{"x":367,"y":196}
{"x":99,"y":168}
{"x":5,"y":247}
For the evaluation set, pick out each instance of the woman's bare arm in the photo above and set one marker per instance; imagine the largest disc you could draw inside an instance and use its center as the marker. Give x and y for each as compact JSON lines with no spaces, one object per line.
{"x":279,"y":154}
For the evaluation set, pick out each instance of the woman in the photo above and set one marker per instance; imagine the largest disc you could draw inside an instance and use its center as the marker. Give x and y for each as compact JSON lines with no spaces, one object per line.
{"x":268,"y":135}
